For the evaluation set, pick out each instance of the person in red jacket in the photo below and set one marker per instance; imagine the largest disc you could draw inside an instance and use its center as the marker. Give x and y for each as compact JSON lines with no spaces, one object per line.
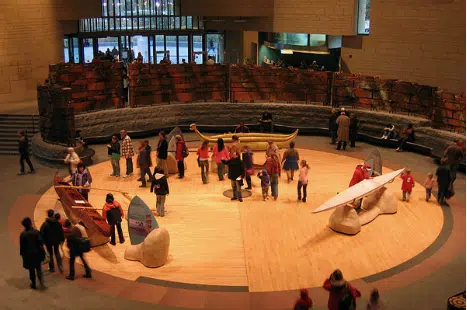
{"x":113,"y":213}
{"x":360,"y":174}
{"x":304,"y":302}
{"x":179,"y":156}
{"x":342,"y":295}
{"x":408,"y":183}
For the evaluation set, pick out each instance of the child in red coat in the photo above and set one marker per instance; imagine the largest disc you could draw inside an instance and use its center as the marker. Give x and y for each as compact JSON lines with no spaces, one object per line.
{"x":408,"y":183}
{"x":304,"y":302}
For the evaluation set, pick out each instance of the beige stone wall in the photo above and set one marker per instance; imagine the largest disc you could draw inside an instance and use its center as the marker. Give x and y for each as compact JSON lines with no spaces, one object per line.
{"x":419,"y":41}
{"x":31,"y":38}
{"x":333,"y":17}
{"x":249,"y":38}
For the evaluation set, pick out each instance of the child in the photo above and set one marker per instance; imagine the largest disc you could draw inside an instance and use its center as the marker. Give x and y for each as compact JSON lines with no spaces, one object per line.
{"x":302,"y":180}
{"x":161,"y":188}
{"x":408,"y":183}
{"x":429,"y":185}
{"x":304,"y":302}
{"x":264,"y":177}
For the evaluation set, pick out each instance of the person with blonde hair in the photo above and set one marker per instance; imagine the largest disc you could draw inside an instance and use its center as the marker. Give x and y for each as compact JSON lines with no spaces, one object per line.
{"x":302,"y":180}
{"x":72,"y":159}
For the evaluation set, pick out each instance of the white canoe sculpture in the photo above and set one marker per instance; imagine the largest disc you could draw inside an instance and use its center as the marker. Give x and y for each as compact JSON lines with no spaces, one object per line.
{"x":358,"y":191}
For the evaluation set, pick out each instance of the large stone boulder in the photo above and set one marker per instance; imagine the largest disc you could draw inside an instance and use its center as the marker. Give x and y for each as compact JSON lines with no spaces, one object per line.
{"x":154,"y":250}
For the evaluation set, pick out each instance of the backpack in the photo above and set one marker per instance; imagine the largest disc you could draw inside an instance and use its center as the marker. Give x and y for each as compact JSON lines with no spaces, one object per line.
{"x":185,"y":152}
{"x":347,"y":301}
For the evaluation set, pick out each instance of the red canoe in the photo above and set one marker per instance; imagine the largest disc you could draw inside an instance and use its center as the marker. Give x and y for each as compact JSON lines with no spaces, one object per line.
{"x":78,"y":209}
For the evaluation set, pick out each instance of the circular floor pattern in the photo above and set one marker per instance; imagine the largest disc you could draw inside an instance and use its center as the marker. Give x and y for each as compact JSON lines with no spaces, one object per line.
{"x":265,"y":246}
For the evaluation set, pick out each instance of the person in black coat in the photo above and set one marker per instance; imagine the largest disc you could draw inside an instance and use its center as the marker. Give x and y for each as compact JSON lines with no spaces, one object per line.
{"x":160,"y":187}
{"x":354,"y":126}
{"x":73,"y":236}
{"x":333,"y":125}
{"x":23,"y":150}
{"x":443,"y":175}
{"x":162,"y":149}
{"x":32,"y":251}
{"x":52,"y":234}
{"x":236,"y":173}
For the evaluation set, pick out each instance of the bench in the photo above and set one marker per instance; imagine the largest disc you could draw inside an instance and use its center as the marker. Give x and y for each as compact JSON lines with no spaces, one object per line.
{"x":393,"y":143}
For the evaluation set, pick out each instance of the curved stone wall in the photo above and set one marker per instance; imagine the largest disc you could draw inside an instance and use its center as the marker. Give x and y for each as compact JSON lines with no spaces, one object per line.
{"x":150,"y":119}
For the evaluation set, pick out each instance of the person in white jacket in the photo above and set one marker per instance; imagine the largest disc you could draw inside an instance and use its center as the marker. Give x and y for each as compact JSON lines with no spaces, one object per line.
{"x":72,"y":159}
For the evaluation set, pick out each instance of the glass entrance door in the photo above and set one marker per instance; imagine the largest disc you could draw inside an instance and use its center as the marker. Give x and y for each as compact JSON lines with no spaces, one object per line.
{"x":140,"y":44}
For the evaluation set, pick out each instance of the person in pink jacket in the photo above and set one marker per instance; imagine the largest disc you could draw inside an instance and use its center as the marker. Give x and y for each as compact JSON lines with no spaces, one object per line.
{"x":220,"y":152}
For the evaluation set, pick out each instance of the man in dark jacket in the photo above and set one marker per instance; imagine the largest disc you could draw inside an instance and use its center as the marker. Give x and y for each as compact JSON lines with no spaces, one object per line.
{"x":236,"y":172}
{"x":52,"y":234}
{"x":443,"y":175}
{"x":113,"y":213}
{"x":144,"y":161}
{"x":23,"y":149}
{"x":333,"y":125}
{"x":354,"y":126}
{"x":32,"y":251}
{"x":161,"y":188}
{"x":162,"y":148}
{"x":454,"y":155}
{"x":73,"y":236}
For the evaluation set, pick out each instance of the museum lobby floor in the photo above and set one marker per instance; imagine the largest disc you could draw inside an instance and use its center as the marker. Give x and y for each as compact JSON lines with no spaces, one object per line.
{"x":425,"y":284}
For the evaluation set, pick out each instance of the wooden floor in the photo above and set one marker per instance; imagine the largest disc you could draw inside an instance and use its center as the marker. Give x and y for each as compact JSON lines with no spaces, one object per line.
{"x":268,"y":246}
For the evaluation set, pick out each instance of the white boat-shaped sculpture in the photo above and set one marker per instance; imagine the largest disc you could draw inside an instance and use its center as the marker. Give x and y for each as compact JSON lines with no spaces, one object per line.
{"x":376,"y":200}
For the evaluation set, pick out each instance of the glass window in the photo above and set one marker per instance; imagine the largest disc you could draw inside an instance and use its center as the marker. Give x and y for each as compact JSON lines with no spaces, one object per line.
{"x":88,"y":49}
{"x":159,"y":23}
{"x":111,"y":24}
{"x":104,"y":7}
{"x":75,"y":51}
{"x":363,"y":17}
{"x":317,"y":39}
{"x":177,"y":22}
{"x":109,"y":44}
{"x":134,"y":7}
{"x":215,"y":47}
{"x":165,"y":23}
{"x":159,"y":48}
{"x":183,"y":49}
{"x":171,"y":47}
{"x":197,"y":47}
{"x":139,"y":44}
{"x":153,"y":23}
{"x":111,"y":6}
{"x":189,"y":22}
{"x":291,"y":38}
{"x":183,"y":26}
{"x":171,"y":23}
{"x":195,"y":22}
{"x":66,"y":51}
{"x":118,"y":7}
{"x":151,"y":49}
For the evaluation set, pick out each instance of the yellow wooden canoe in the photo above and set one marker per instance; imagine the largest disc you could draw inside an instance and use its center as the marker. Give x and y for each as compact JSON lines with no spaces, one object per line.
{"x":255,"y":141}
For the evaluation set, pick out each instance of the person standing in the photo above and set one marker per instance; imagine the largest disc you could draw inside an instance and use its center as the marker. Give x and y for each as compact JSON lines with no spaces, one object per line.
{"x":181,"y":152}
{"x":82,"y":178}
{"x":113,"y":150}
{"x":127,"y":152}
{"x":343,"y":128}
{"x":144,"y":161}
{"x":374,"y":302}
{"x":454,"y":156}
{"x":113,"y":214}
{"x":52,"y":234}
{"x":235,"y":146}
{"x":73,"y":239}
{"x":236,"y":173}
{"x":273,"y":167}
{"x":429,"y":182}
{"x":354,"y":127}
{"x":304,"y":302}
{"x":265,"y":183}
{"x":408,"y":183}
{"x":333,"y":125}
{"x":126,"y":83}
{"x":342,"y":295}
{"x":303,"y":180}
{"x":32,"y":251}
{"x":220,"y":153}
{"x":247,"y":158}
{"x":443,"y":178}
{"x":72,"y":159}
{"x":360,"y":174}
{"x":203,"y":161}
{"x":162,"y":150}
{"x":23,"y":149}
{"x":160,"y":187}
{"x":272,"y":147}
{"x":266,"y":123}
{"x":290,"y":161}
